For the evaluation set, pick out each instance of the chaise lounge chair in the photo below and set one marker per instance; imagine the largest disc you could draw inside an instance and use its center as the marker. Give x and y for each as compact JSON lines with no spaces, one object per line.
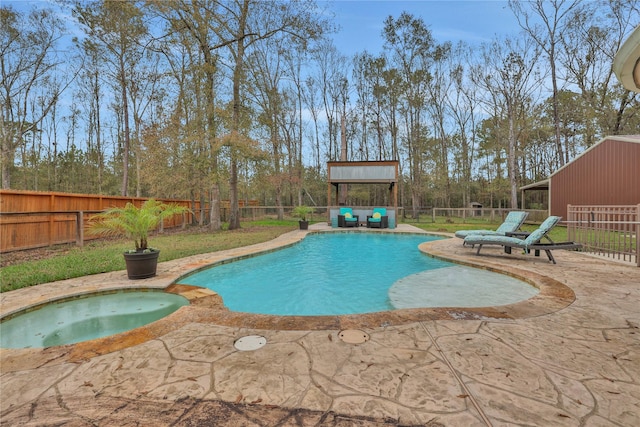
{"x":346,"y":218}
{"x":378,"y":219}
{"x":512,"y":223}
{"x":531,"y":242}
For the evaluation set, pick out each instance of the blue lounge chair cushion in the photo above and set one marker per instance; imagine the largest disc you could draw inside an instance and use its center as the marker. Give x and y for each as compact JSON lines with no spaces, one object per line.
{"x":542,"y":231}
{"x":531,"y":243}
{"x":512,"y":222}
{"x":488,"y":239}
{"x":464,"y":233}
{"x":532,"y":239}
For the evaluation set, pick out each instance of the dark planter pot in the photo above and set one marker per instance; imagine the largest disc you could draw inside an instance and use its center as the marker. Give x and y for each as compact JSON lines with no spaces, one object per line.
{"x":304,"y":225}
{"x":141,"y":265}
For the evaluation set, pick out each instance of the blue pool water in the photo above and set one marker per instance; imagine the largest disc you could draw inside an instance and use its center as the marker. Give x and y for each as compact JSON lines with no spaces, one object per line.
{"x":330,"y":274}
{"x":86,"y":318}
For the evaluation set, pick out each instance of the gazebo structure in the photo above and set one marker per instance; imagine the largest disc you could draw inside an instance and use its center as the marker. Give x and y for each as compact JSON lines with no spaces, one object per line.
{"x":372,"y":172}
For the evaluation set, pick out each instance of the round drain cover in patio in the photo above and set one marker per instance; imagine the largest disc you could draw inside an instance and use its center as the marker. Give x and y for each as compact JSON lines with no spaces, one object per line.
{"x":353,"y":336}
{"x":250,"y":343}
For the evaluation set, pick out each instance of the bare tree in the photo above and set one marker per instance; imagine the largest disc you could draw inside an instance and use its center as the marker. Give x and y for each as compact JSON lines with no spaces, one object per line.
{"x":553,"y":16}
{"x":241,"y":24}
{"x":412,"y":53}
{"x":589,"y":43}
{"x":116,"y":29}
{"x":509,"y":76}
{"x":28,"y":61}
{"x":331,"y":71}
{"x":195,"y":67}
{"x":266,"y":73}
{"x":463,"y":105}
{"x":310,"y":97}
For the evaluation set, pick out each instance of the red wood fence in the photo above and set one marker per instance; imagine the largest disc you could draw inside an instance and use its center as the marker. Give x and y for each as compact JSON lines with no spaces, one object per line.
{"x":30,"y":219}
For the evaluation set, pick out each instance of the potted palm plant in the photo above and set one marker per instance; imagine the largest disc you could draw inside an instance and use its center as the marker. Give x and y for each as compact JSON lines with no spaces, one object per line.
{"x":301,"y":212}
{"x":135,"y":223}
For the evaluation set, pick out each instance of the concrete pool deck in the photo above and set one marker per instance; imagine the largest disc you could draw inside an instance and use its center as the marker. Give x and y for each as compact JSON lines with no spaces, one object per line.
{"x":569,"y":357}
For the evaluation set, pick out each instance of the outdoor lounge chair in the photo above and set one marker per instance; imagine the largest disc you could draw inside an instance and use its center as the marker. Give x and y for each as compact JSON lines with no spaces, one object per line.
{"x":512,"y":223}
{"x":346,"y":218}
{"x":378,"y":219}
{"x":531,"y":242}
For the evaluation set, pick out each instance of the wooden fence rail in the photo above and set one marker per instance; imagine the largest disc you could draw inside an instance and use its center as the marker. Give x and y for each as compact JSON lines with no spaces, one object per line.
{"x":30,"y":230}
{"x":610,"y":231}
{"x":30,"y":219}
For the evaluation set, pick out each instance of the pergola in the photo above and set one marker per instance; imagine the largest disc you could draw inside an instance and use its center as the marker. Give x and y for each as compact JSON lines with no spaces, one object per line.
{"x":372,"y":172}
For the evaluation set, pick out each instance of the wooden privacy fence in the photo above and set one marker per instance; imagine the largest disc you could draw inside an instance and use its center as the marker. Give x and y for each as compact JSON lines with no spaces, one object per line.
{"x":611,"y":231}
{"x":30,"y":219}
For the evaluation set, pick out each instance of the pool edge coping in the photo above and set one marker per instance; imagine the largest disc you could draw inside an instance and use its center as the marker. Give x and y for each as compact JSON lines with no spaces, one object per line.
{"x":206,"y":306}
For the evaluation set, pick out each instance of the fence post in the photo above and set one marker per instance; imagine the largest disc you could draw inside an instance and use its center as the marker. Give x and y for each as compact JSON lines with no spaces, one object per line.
{"x":80,"y":228}
{"x":570,"y":224}
{"x":638,"y":235}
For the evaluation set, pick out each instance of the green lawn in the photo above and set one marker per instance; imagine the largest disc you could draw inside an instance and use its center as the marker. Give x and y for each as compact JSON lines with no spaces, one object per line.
{"x":106,"y":255}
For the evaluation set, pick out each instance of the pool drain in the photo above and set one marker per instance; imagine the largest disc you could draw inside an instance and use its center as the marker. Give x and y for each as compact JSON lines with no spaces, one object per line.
{"x":353,"y":336}
{"x":250,"y":343}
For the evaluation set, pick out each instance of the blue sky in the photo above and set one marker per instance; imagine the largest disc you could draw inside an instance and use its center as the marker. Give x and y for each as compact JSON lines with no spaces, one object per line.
{"x":473,"y":21}
{"x":361,"y":21}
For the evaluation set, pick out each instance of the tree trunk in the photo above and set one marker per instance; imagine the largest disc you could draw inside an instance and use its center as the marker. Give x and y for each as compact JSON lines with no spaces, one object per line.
{"x":214,"y":220}
{"x":343,"y":157}
{"x":512,"y":159}
{"x":125,"y":113}
{"x":234,"y":208}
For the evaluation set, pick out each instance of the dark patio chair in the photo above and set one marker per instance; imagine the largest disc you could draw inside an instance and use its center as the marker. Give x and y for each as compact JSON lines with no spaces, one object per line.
{"x":346,"y":218}
{"x":378,"y":219}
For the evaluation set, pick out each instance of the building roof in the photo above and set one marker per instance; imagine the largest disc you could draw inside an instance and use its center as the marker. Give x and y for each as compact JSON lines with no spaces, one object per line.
{"x":540,"y":185}
{"x":626,"y":138}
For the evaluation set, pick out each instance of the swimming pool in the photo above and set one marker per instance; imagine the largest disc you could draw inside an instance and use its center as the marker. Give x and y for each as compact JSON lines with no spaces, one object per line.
{"x":87,"y":317}
{"x":341,"y":273}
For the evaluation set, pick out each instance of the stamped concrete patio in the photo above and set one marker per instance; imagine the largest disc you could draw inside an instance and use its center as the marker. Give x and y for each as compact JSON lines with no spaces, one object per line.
{"x":568,"y":357}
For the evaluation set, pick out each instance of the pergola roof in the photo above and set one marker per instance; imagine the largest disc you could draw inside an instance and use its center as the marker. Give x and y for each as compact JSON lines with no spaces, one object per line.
{"x":362,"y":172}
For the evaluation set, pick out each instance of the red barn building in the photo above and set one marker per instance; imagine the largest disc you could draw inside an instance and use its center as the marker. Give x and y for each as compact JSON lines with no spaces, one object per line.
{"x":608,"y":173}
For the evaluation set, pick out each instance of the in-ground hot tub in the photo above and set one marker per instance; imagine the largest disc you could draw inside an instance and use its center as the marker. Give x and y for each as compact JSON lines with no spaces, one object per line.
{"x":86,"y":317}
